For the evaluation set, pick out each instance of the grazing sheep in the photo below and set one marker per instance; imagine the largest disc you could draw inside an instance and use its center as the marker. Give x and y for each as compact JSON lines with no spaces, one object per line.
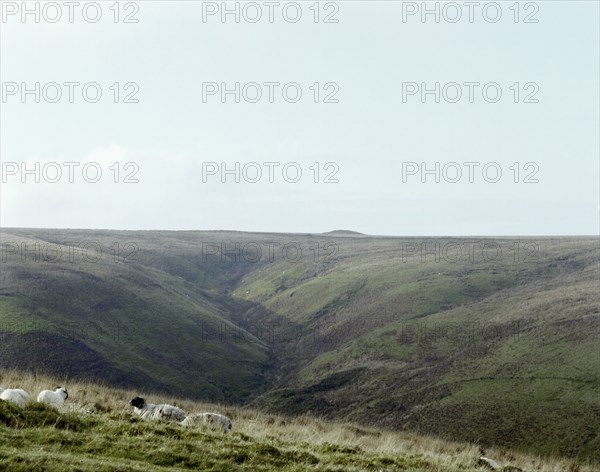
{"x":162,"y":412}
{"x":56,"y":397}
{"x":212,"y":420}
{"x":17,"y":396}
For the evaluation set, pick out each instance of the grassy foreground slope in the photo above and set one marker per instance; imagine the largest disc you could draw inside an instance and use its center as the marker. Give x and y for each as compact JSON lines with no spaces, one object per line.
{"x":96,"y":431}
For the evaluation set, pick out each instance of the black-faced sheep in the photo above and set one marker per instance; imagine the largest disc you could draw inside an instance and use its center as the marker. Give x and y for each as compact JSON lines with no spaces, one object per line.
{"x":162,"y":412}
{"x":56,"y":397}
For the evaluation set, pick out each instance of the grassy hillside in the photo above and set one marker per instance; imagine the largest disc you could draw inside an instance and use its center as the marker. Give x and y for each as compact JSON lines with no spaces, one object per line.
{"x":473,"y":350}
{"x":96,"y":431}
{"x":125,"y":323}
{"x":473,"y":339}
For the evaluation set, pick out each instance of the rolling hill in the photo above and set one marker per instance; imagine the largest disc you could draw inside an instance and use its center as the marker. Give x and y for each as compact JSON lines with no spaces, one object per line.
{"x":492,"y":340}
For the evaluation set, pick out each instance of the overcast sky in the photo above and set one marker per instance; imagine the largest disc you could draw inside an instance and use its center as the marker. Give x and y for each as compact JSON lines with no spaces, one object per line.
{"x":374,"y":139}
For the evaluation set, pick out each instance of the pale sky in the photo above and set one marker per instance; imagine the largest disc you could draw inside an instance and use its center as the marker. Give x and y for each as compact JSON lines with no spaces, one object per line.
{"x":368,"y":137}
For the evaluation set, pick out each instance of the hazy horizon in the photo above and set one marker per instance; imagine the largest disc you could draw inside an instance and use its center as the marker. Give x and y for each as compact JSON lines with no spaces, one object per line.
{"x":508,"y":236}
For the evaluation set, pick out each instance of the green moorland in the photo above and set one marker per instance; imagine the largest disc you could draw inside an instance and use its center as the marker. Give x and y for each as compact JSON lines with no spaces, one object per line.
{"x":488,"y":340}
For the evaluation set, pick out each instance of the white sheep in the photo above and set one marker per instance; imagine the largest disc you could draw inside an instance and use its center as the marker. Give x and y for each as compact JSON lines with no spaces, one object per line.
{"x":212,"y":420}
{"x":17,"y":396}
{"x":56,"y":397}
{"x":161,"y":412}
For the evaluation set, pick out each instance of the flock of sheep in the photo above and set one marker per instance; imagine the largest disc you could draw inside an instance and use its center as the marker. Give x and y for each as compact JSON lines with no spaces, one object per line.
{"x":163,"y":412}
{"x":20,"y":397}
{"x":147,"y":411}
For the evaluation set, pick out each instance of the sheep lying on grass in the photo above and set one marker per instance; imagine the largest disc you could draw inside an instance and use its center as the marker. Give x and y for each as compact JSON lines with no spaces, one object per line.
{"x":56,"y":397}
{"x":17,"y":396}
{"x":162,"y":412}
{"x":212,"y":420}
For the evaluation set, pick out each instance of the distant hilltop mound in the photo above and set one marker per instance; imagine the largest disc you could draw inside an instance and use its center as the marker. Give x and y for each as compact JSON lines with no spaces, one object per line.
{"x":344,"y":232}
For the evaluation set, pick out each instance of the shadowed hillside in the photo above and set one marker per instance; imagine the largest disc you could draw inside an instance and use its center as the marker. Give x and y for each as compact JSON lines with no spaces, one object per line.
{"x":125,"y":323}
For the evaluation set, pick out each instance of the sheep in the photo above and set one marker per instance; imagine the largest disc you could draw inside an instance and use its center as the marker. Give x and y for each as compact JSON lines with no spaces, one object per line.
{"x":212,"y":420}
{"x":56,"y":397}
{"x":161,"y":412}
{"x":17,"y":396}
